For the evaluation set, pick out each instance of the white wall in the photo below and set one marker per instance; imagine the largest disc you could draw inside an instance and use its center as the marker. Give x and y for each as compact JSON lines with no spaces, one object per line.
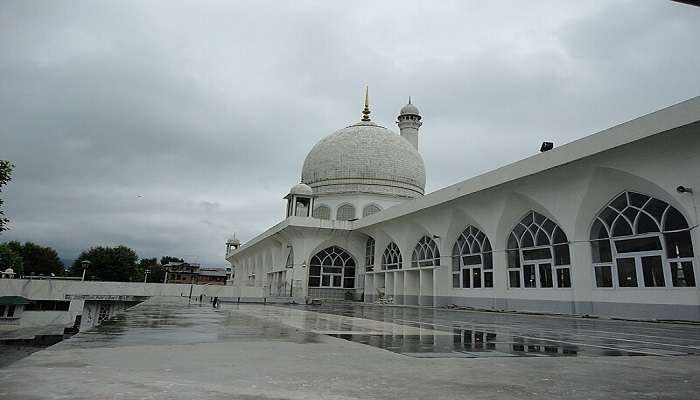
{"x":570,"y":194}
{"x":57,"y":290}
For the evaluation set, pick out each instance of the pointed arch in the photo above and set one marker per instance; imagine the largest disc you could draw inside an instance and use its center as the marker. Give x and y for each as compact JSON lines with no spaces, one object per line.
{"x":638,"y":240}
{"x":321,"y":211}
{"x":332,"y":267}
{"x":535,"y":247}
{"x":345,"y":212}
{"x":391,"y":259}
{"x":472,"y":260}
{"x":370,"y":209}
{"x":425,"y":254}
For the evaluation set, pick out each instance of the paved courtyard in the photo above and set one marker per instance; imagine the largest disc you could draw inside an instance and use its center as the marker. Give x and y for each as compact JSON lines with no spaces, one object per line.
{"x":167,"y":349}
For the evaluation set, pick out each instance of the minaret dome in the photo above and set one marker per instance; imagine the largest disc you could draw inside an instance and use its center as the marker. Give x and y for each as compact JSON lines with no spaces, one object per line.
{"x":409,"y":122}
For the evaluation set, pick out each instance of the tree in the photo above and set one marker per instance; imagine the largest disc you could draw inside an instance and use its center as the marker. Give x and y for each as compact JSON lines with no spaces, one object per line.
{"x":107,"y":263}
{"x":5,"y":176}
{"x":10,"y":259}
{"x":166,"y":259}
{"x":156,"y":274}
{"x":37,"y":259}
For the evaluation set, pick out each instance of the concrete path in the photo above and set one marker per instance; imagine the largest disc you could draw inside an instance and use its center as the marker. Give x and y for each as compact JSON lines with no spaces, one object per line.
{"x":166,"y":349}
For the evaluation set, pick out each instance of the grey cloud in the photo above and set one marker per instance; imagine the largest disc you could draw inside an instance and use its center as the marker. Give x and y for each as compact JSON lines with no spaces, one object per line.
{"x":207,"y":110}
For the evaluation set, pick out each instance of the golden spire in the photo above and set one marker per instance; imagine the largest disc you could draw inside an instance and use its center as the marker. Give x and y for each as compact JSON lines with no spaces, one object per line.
{"x":366,"y":111}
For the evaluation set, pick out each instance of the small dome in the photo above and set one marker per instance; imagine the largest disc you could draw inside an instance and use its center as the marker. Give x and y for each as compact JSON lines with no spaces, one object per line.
{"x":409,"y":109}
{"x":301,"y":189}
{"x":9,"y":271}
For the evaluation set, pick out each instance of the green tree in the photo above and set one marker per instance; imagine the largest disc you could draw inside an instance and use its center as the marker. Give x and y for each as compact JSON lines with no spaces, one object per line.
{"x":5,"y":176}
{"x":10,"y":259}
{"x":39,"y":260}
{"x":107,"y":264}
{"x":166,"y":259}
{"x":156,"y":274}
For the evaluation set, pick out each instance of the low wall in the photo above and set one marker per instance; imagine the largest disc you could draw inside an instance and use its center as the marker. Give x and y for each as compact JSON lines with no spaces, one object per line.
{"x":59,"y":289}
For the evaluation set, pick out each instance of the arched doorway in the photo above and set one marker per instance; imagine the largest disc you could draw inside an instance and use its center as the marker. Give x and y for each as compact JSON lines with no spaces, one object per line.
{"x":331,"y":273}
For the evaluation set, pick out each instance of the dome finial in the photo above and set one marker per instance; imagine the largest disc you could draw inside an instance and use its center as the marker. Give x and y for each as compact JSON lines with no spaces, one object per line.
{"x":409,"y":99}
{"x":366,"y":111}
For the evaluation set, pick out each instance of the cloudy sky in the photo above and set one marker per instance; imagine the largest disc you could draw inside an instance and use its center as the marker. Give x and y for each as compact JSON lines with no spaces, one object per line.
{"x":168,"y":126}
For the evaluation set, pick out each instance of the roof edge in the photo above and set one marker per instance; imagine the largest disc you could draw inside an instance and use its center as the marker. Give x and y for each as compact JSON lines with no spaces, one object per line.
{"x":665,"y":119}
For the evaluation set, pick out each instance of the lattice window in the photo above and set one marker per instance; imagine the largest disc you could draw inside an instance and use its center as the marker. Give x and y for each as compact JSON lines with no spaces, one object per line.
{"x":535,"y":246}
{"x":640,"y":238}
{"x":332,"y":268}
{"x":426,"y":253}
{"x":370,"y":209}
{"x":391,"y":259}
{"x":322,"y":212}
{"x":345,"y":212}
{"x":472,"y":260}
{"x":104,"y":313}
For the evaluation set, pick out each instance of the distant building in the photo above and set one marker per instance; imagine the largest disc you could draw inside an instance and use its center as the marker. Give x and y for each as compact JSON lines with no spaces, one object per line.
{"x":188,"y":273}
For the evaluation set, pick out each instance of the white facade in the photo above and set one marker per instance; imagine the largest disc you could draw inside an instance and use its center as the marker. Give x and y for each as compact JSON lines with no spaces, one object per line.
{"x":647,"y":271}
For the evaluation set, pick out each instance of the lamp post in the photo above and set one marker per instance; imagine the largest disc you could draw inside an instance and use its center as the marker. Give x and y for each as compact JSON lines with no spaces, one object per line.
{"x":85,"y":264}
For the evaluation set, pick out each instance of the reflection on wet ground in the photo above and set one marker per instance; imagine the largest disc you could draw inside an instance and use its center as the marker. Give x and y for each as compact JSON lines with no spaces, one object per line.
{"x":415,"y":332}
{"x":175,"y":321}
{"x":467,"y":334}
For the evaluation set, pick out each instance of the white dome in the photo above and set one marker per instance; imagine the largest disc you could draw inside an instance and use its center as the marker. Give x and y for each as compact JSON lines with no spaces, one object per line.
{"x":301,"y":189}
{"x":364,"y":158}
{"x":409,"y":109}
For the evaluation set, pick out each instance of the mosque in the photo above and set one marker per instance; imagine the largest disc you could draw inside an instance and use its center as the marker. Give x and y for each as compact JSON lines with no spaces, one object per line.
{"x":605,"y":225}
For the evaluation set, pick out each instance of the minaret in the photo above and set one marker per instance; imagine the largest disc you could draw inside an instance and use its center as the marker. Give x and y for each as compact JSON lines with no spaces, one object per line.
{"x":409,"y":123}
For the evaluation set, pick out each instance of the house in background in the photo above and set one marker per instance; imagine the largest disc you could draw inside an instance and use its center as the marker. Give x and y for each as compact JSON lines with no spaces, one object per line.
{"x":190,"y":273}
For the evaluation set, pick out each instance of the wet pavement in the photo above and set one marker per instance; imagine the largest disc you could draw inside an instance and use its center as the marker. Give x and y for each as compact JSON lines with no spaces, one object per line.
{"x":490,"y":334}
{"x":165,"y":348}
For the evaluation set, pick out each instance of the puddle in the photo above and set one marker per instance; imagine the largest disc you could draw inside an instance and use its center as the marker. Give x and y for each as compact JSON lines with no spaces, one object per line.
{"x":467,"y":343}
{"x":446,"y":334}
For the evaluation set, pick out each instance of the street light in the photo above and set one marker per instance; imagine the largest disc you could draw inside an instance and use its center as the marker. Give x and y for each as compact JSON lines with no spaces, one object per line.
{"x":85,"y":264}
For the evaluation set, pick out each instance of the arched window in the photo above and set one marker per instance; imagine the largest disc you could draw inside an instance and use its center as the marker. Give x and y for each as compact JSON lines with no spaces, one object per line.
{"x":322,"y":212}
{"x":537,"y":244}
{"x":369,"y":255}
{"x":425,"y":254}
{"x":346,"y":212}
{"x":370,"y":209}
{"x":637,"y":236}
{"x":472,"y":260}
{"x":332,"y":268}
{"x":391,"y":259}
